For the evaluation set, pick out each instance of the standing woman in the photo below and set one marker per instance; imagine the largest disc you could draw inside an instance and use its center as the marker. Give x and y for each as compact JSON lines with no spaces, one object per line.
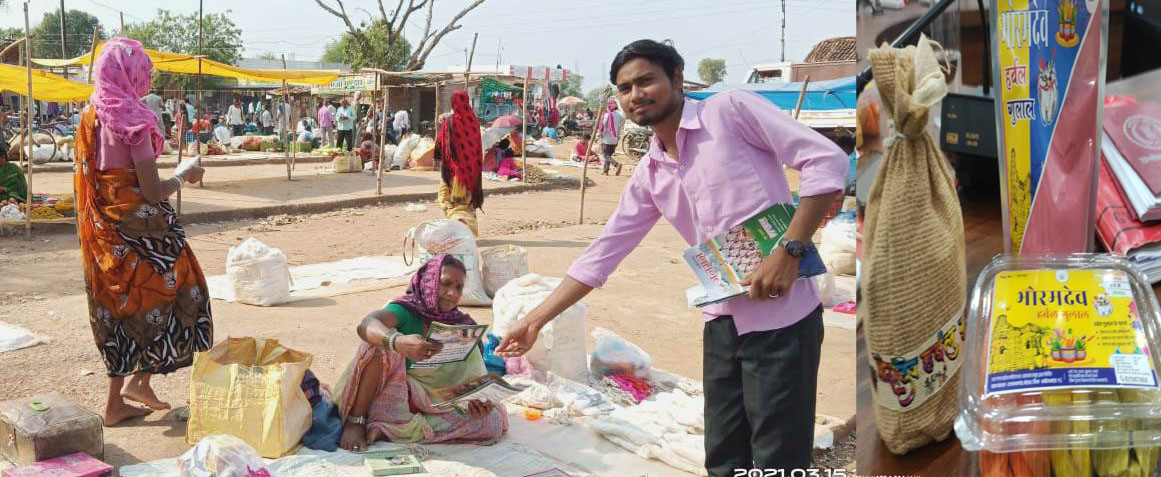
{"x":458,"y":148}
{"x":148,"y":302}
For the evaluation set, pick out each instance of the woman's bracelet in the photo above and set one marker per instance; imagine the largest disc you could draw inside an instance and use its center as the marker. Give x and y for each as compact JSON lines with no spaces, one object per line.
{"x":389,"y":339}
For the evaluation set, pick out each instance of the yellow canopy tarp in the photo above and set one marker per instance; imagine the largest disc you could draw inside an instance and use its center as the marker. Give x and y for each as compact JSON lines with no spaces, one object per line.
{"x":188,"y":64}
{"x":45,"y":86}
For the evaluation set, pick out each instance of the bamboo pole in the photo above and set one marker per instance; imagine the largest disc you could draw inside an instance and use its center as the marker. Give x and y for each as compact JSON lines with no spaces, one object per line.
{"x":589,"y":150}
{"x":285,"y":101}
{"x":382,"y":140}
{"x":801,"y":96}
{"x":180,"y":116}
{"x":28,"y":127}
{"x":201,"y":183}
{"x":93,"y":58}
{"x":524,"y":128}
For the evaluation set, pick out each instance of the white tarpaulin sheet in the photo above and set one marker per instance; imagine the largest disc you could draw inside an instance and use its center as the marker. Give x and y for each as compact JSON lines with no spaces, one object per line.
{"x":321,"y":280}
{"x":14,"y":338}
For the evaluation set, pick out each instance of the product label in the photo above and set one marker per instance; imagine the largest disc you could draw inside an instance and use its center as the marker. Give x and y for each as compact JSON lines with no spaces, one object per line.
{"x":1056,"y":329}
{"x":1038,"y":43}
{"x":904,"y":381}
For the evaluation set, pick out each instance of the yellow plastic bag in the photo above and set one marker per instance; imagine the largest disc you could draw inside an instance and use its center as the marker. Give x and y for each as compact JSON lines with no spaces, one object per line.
{"x":250,"y":388}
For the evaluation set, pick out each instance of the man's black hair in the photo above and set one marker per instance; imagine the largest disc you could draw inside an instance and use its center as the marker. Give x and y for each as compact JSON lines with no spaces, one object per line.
{"x":214,"y":121}
{"x":662,"y":54}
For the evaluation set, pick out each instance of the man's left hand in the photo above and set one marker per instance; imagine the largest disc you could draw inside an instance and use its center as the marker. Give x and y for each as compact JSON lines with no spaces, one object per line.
{"x":773,"y":277}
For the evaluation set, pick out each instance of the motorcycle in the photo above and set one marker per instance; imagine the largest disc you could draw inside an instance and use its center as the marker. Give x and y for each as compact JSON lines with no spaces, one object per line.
{"x":636,"y":140}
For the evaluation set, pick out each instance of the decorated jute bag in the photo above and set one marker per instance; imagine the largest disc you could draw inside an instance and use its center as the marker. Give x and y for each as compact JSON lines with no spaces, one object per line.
{"x":914,"y":287}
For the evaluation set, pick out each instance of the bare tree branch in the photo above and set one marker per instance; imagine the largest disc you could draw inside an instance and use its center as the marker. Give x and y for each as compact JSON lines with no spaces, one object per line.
{"x":411,"y":8}
{"x":419,"y":56}
{"x":382,"y":11}
{"x":394,"y":16}
{"x":342,"y":14}
{"x":427,"y":25}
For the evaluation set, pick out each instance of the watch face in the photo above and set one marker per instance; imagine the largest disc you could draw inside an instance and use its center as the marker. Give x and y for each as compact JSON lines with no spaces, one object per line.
{"x":795,"y":248}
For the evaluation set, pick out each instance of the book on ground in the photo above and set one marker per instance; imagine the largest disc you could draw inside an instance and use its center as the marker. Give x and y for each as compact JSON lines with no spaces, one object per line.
{"x":724,"y":261}
{"x":490,"y":387}
{"x":396,"y":462}
{"x":458,"y":342}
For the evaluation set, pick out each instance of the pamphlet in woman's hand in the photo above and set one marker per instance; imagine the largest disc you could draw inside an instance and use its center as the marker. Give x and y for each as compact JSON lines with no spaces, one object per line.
{"x":458,"y":342}
{"x":187,"y":164}
{"x":490,"y":387}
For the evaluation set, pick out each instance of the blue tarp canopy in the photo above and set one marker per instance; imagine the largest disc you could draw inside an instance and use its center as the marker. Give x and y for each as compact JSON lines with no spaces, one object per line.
{"x":820,"y":95}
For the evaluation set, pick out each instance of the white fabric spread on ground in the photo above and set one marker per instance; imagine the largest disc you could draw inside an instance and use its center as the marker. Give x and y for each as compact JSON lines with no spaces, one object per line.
{"x":322,"y":280}
{"x":14,"y":338}
{"x":668,"y":426}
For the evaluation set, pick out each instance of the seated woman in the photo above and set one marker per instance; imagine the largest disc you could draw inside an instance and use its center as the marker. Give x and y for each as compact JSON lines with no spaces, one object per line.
{"x":12,"y":184}
{"x":381,"y":396}
{"x":501,"y":160}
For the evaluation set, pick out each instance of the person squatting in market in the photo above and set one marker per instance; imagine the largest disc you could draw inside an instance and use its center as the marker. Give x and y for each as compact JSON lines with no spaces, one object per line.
{"x":712,"y":165}
{"x":382,"y":397}
{"x":457,"y":146}
{"x":149,"y":306}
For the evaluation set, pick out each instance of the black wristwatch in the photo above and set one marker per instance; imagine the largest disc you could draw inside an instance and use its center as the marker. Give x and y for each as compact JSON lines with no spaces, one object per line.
{"x":793,"y":248}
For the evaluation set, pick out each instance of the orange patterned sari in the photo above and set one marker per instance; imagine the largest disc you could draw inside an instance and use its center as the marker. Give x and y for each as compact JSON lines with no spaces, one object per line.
{"x":148,"y":303}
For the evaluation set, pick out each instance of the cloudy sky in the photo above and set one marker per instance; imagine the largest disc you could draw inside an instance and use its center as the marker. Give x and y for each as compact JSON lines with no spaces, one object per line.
{"x":582,"y":35}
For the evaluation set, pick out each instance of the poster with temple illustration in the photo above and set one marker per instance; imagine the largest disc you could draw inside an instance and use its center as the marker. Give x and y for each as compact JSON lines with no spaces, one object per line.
{"x":1049,"y":81}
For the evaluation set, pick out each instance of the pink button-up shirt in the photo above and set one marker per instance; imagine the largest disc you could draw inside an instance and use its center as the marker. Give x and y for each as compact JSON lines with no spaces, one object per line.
{"x":325,"y":118}
{"x":733,"y":147}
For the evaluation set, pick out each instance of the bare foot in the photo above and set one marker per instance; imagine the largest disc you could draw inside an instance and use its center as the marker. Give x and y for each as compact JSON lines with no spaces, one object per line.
{"x":116,"y":414}
{"x":134,"y":391}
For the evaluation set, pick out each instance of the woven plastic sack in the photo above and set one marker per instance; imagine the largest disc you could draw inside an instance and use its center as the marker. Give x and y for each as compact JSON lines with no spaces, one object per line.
{"x":259,"y":274}
{"x":222,"y":455}
{"x":560,"y":347}
{"x":452,"y":237}
{"x":502,"y":264}
{"x":250,"y":388}
{"x":915,"y":282}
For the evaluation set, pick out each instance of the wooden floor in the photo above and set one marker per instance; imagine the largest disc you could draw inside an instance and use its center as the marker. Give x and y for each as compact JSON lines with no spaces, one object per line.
{"x":984,"y":239}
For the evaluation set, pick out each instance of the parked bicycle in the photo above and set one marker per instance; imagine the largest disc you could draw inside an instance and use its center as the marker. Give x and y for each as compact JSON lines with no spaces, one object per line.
{"x":44,"y":136}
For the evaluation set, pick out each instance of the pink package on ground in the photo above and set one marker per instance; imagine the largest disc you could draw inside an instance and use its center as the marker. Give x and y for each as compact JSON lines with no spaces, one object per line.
{"x":79,"y":464}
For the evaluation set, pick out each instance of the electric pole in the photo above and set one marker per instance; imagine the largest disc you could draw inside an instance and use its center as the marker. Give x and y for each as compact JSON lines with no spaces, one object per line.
{"x":63,"y":50}
{"x":783,"y":30}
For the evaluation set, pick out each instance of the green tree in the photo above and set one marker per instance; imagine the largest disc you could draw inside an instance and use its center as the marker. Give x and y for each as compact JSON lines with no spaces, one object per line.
{"x":374,"y":42}
{"x":378,"y":51}
{"x":11,"y":34}
{"x":596,"y":97}
{"x":573,"y":87}
{"x":78,"y":34}
{"x":711,"y":71}
{"x":222,"y":41}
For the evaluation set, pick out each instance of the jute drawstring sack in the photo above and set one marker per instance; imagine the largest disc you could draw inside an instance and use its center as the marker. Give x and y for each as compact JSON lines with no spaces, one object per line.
{"x":914,"y":287}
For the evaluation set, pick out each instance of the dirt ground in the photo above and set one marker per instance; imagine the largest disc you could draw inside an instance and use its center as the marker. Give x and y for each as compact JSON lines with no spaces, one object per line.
{"x":41,"y":287}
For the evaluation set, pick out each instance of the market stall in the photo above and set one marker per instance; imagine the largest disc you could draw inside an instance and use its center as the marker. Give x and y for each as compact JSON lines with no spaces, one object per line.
{"x":43,"y":86}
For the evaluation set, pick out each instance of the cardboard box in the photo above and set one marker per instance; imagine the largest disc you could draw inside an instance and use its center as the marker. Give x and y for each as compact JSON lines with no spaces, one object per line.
{"x":47,"y":426}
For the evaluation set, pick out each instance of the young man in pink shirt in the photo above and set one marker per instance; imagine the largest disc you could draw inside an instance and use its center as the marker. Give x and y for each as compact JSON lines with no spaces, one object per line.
{"x":712,"y":165}
{"x":326,"y":122}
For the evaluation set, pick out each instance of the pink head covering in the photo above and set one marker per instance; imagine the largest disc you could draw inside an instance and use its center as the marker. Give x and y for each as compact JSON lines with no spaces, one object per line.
{"x":609,"y":125}
{"x":422,"y":296}
{"x":124,"y":73}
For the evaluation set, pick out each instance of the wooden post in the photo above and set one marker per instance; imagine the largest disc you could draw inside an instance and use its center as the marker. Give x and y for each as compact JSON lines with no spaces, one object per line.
{"x":589,"y":150}
{"x":801,"y":96}
{"x":122,"y":23}
{"x":468,"y":72}
{"x":180,"y":117}
{"x":93,"y":56}
{"x":285,"y":102}
{"x":524,"y":128}
{"x":28,"y":126}
{"x":382,"y":138}
{"x":201,"y":183}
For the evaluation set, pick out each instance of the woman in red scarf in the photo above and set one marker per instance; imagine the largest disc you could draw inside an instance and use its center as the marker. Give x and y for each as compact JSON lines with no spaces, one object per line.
{"x":459,"y":148}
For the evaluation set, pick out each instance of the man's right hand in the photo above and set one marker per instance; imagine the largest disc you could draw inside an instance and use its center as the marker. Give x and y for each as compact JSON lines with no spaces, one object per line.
{"x":519,"y":338}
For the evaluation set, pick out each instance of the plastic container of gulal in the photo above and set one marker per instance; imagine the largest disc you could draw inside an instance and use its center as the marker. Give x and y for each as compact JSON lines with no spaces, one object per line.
{"x":1061,"y":372}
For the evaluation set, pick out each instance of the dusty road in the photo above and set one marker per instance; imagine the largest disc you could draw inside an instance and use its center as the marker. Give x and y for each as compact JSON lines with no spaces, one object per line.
{"x":41,"y":286}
